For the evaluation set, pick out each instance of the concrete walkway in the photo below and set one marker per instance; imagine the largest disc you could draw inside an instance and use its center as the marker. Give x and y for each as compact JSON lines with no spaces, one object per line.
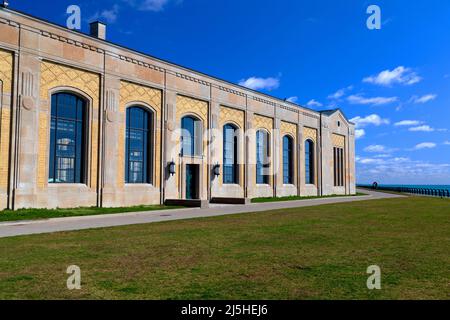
{"x":10,"y":229}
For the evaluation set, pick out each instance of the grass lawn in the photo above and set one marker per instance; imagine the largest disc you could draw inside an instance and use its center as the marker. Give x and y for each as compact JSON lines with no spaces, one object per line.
{"x":35,"y":214}
{"x":307,"y":253}
{"x":292,"y":198}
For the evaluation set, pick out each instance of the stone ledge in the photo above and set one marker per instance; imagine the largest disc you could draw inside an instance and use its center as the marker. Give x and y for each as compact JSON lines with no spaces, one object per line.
{"x":231,"y":200}
{"x":194,"y":203}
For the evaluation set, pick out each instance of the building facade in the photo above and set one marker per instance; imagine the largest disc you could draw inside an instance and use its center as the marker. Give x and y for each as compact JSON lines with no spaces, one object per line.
{"x":85,"y":122}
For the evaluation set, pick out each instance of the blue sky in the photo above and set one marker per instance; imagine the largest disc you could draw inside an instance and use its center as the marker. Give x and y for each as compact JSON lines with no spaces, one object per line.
{"x":394,"y":82}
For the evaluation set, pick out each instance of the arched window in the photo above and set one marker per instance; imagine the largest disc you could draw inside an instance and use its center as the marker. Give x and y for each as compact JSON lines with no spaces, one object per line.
{"x":67,"y":139}
{"x":230,"y":153}
{"x":138,"y":146}
{"x":191,"y":136}
{"x":309,"y":161}
{"x":262,"y":157}
{"x":288,"y":160}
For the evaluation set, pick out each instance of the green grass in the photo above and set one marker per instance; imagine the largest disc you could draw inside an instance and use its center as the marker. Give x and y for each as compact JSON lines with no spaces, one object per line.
{"x":317,"y":252}
{"x":35,"y":214}
{"x":292,"y":198}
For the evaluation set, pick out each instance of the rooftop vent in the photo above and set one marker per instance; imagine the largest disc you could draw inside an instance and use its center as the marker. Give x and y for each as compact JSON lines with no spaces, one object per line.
{"x":98,"y":30}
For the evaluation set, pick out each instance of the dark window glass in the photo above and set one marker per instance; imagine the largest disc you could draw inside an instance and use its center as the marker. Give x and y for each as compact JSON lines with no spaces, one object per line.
{"x":191,"y":136}
{"x":230,"y":161}
{"x":338,"y":155}
{"x":137,"y":146}
{"x":288,"y":159}
{"x":262,"y":157}
{"x":309,"y":161}
{"x":67,"y":125}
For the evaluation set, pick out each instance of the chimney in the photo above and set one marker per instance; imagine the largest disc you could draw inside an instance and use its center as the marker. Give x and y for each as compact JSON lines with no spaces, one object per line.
{"x":98,"y":30}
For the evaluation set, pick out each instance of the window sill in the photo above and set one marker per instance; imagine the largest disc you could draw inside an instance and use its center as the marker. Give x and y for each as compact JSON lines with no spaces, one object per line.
{"x":140,"y":186}
{"x":192,"y":157}
{"x":61,"y":184}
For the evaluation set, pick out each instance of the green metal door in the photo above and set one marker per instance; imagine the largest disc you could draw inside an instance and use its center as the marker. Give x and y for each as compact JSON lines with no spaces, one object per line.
{"x":190,"y":182}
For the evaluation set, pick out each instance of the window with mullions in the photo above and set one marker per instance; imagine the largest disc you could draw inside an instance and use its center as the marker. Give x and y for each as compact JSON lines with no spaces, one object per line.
{"x":137,"y":146}
{"x":262,"y":157}
{"x":230,"y":166}
{"x":338,"y":156}
{"x":67,"y":140}
{"x":288,"y":159}
{"x":191,"y":136}
{"x":309,"y":162}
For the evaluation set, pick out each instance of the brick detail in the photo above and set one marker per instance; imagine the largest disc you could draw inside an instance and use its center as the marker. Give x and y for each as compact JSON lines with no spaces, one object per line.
{"x":310,"y":133}
{"x":261,"y":122}
{"x":6,"y":72}
{"x":187,"y":105}
{"x":338,"y":141}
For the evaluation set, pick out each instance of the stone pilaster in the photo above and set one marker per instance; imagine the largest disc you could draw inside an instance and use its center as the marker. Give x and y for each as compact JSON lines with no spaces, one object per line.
{"x":171,"y":152}
{"x":112,"y":125}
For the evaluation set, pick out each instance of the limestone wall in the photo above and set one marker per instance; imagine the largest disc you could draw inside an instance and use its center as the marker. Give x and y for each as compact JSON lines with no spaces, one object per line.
{"x":110,"y":79}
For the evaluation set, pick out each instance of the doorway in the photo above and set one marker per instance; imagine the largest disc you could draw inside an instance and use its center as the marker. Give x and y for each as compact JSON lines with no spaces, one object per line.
{"x":192,"y":181}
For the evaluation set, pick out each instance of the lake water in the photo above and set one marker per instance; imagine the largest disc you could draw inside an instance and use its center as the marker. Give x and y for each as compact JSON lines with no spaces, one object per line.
{"x":422,"y":186}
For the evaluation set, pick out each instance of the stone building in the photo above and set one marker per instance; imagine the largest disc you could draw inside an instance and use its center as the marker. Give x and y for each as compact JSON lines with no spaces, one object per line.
{"x":85,"y":122}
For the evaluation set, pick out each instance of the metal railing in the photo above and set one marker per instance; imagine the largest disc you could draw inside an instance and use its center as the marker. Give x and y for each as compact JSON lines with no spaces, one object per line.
{"x":433,"y":192}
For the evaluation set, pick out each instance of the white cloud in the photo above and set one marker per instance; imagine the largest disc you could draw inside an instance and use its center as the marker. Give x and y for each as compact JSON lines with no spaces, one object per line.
{"x":153,"y":5}
{"x":292,"y":99}
{"x":376,"y":101}
{"x":382,"y":156}
{"x":369,"y":161}
{"x":256,"y":83}
{"x":372,"y":119}
{"x":376,"y":148}
{"x":423,"y":99}
{"x":313,"y":103}
{"x":340,"y":93}
{"x":425,"y":145}
{"x":407,"y":123}
{"x":107,"y":15}
{"x":424,"y":128}
{"x":447,"y":143}
{"x":359,"y":133}
{"x":399,"y":75}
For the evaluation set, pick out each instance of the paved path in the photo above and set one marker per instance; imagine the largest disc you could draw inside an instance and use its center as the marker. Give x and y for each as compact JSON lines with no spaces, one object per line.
{"x":9,"y":229}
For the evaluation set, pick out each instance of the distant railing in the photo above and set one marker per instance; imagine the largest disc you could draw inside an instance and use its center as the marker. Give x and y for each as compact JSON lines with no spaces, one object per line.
{"x":433,"y":192}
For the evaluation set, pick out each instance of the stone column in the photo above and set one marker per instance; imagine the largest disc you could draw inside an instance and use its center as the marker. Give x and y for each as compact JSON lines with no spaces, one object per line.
{"x":215,"y":155}
{"x":300,"y":162}
{"x":351,"y":160}
{"x":111,"y":123}
{"x":326,"y":149}
{"x":277,"y":157}
{"x":250,"y":159}
{"x":28,"y":112}
{"x":171,"y":152}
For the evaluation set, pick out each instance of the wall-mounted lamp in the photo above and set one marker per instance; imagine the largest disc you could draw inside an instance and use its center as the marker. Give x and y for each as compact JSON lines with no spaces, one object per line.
{"x":172,"y":168}
{"x":216,"y":170}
